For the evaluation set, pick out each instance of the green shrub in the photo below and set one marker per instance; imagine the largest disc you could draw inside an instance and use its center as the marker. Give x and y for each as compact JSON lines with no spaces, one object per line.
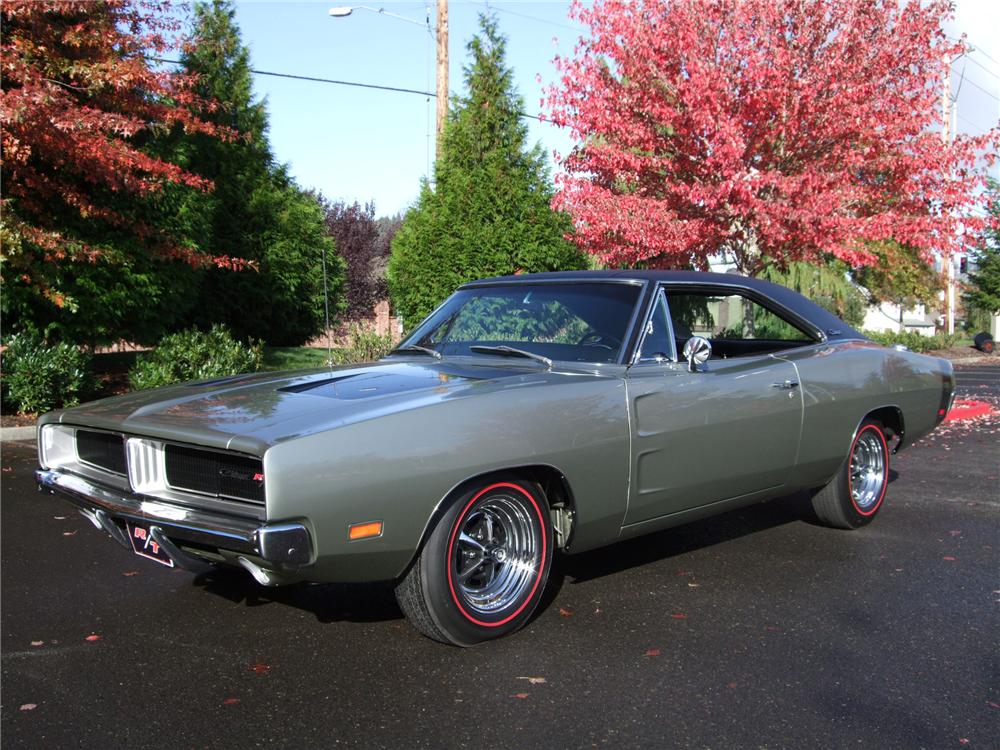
{"x":38,"y":376}
{"x":915,"y":342}
{"x":195,"y":355}
{"x":364,"y":346}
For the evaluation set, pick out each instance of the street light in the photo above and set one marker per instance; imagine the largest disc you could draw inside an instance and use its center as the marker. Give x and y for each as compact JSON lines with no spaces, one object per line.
{"x":441,"y":33}
{"x":345,"y":10}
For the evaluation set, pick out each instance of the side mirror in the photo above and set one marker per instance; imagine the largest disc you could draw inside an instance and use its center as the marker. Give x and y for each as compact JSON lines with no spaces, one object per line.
{"x":697,"y":350}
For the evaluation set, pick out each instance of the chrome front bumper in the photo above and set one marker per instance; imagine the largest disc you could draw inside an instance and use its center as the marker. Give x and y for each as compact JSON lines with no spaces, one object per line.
{"x":283,"y":545}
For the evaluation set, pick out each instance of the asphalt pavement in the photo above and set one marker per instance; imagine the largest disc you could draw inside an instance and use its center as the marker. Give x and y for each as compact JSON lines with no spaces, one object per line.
{"x":756,"y":629}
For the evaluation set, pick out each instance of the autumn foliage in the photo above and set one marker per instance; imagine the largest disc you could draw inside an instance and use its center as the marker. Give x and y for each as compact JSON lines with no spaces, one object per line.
{"x":773,"y":130}
{"x":79,"y":101}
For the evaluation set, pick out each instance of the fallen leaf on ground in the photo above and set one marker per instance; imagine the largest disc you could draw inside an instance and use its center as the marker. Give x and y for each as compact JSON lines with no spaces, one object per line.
{"x":992,"y":704}
{"x":949,"y":558}
{"x":963,"y":740}
{"x":534,"y":680}
{"x":59,"y":518}
{"x":28,"y":706}
{"x":130,"y":573}
{"x":69,"y":533}
{"x":954,"y":532}
{"x":679,"y":616}
{"x":230,"y":701}
{"x":653,"y":652}
{"x":8,"y":469}
{"x":731,"y":686}
{"x":38,"y":643}
{"x":259,"y":668}
{"x":92,"y":637}
{"x":693,"y":585}
{"x":565,"y":612}
{"x":521,"y":696}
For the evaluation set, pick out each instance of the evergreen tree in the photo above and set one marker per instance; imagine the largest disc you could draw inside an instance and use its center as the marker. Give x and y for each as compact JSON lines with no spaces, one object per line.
{"x":984,"y":283}
{"x":256,"y":211}
{"x":488,"y":212}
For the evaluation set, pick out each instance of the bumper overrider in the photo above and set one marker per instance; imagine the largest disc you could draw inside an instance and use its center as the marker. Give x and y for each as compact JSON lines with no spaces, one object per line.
{"x":266,"y":550}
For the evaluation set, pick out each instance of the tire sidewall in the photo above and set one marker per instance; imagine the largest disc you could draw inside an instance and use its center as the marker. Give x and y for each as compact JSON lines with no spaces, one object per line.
{"x":463,"y":626}
{"x":855,"y":515}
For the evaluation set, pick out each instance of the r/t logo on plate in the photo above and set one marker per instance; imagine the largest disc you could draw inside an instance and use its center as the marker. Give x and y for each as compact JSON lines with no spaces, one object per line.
{"x":147,"y":540}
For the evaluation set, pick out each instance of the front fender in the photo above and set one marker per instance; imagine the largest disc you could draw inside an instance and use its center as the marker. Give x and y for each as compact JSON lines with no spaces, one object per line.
{"x":398,"y":468}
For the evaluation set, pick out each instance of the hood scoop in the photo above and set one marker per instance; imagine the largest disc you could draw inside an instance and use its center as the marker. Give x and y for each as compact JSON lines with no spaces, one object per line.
{"x":372,"y":384}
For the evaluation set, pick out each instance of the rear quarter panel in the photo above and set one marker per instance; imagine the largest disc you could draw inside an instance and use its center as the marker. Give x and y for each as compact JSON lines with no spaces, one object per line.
{"x":397,"y":468}
{"x":843,"y":382}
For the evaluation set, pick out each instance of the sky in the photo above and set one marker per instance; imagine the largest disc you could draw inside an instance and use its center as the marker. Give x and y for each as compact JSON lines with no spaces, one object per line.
{"x":356,"y":144}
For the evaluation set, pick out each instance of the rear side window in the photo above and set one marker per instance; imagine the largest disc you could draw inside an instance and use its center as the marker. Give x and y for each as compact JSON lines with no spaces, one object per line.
{"x":730,"y":316}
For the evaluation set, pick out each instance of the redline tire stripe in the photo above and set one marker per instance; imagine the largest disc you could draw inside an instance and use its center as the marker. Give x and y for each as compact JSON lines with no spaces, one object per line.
{"x":451,"y":545}
{"x":885,"y":472}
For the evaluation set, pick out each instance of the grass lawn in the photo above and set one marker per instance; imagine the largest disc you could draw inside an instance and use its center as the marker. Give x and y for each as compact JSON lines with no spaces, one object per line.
{"x":293,"y":358}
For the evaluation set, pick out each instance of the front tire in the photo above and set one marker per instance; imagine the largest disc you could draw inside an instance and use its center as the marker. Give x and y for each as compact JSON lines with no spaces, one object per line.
{"x":482,"y":571}
{"x":855,"y":494}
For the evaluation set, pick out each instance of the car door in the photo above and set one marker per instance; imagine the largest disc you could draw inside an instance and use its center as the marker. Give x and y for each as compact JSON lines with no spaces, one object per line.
{"x":727,"y":430}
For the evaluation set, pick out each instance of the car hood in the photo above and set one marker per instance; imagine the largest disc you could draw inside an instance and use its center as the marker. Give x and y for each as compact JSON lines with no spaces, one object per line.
{"x":248,"y":413}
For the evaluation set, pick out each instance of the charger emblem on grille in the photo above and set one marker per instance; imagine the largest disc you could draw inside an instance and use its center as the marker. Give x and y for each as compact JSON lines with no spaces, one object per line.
{"x":243,"y":476}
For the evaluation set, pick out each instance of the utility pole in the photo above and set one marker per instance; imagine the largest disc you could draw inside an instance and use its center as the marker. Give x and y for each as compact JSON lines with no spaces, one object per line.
{"x":946,"y":137}
{"x":442,"y":71}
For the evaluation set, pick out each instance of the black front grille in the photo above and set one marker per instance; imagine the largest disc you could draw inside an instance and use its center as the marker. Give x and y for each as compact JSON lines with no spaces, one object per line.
{"x":217,"y":474}
{"x":101,"y":449}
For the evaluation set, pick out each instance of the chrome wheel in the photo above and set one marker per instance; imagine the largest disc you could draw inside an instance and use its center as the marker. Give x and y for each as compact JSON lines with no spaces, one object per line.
{"x":496,"y":556}
{"x":868,"y":469}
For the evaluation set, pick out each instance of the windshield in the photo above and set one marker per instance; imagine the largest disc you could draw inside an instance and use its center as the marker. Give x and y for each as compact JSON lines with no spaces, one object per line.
{"x":577,"y":322}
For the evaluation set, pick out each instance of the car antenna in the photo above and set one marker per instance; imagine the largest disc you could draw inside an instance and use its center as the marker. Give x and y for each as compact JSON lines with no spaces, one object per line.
{"x":326,"y":311}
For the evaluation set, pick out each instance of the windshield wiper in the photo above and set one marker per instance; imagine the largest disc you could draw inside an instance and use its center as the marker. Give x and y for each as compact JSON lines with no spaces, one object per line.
{"x":509,"y":351}
{"x":417,"y":349}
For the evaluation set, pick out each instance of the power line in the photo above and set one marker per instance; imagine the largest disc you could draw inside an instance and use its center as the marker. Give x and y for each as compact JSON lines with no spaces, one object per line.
{"x":985,"y":91}
{"x":977,"y":48}
{"x":974,"y":61}
{"x":495,"y":6}
{"x":334,"y":81}
{"x":976,"y":125}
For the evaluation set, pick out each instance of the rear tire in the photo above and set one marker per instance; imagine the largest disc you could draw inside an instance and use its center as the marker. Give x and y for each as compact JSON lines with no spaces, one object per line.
{"x":855,"y":494}
{"x":482,"y":571}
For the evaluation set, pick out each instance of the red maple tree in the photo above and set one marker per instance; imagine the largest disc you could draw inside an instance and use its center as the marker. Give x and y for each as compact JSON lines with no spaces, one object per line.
{"x":79,"y":101}
{"x":766,"y":129}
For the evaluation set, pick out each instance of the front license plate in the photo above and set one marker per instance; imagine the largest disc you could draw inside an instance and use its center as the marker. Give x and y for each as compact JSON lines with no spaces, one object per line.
{"x":143,"y":544}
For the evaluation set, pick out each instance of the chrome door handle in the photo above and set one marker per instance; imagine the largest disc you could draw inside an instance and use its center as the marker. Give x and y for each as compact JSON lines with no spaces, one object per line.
{"x":786,"y":386}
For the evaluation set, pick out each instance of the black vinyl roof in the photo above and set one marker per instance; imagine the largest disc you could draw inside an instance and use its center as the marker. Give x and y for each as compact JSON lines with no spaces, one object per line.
{"x":832,"y":327}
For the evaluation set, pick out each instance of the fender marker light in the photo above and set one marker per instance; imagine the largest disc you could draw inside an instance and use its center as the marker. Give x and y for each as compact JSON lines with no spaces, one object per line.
{"x":366,"y":530}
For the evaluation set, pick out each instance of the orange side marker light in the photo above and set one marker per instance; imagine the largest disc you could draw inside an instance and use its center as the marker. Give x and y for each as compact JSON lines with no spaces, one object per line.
{"x":364,"y":530}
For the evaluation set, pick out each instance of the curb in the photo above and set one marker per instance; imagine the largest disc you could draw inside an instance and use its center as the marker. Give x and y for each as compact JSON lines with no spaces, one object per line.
{"x":18,"y":434}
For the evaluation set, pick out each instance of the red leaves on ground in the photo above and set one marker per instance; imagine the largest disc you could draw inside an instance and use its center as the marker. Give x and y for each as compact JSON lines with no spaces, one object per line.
{"x":28,"y":707}
{"x":230,"y":701}
{"x":653,"y":652}
{"x":731,"y":686}
{"x":948,"y":558}
{"x":565,"y":612}
{"x":520,"y":696}
{"x":260,"y":668}
{"x":130,"y":573}
{"x":92,"y":637}
{"x":679,"y":616}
